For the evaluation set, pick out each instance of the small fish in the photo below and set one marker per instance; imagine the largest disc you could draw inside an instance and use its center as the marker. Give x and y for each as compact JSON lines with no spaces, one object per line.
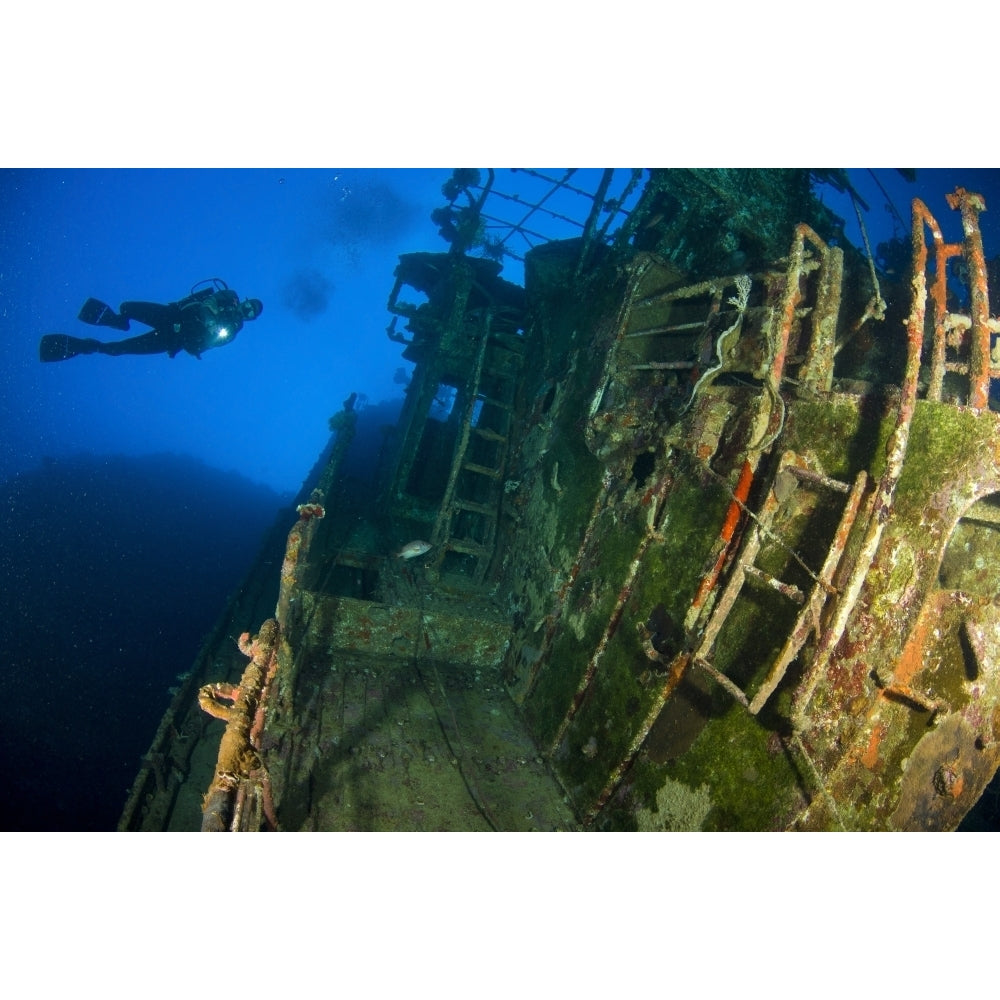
{"x":412,"y":549}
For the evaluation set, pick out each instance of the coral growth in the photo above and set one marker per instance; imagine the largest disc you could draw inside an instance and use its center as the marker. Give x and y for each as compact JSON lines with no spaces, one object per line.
{"x":678,"y":808}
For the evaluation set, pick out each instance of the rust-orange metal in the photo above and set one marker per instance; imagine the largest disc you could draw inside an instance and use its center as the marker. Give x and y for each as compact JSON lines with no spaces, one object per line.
{"x":732,"y":519}
{"x":970,"y":205}
{"x":238,"y":764}
{"x":793,"y":296}
{"x":943,"y":252}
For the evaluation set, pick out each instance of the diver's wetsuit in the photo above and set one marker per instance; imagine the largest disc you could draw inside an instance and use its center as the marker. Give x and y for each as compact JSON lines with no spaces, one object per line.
{"x":195,"y":324}
{"x":209,"y":317}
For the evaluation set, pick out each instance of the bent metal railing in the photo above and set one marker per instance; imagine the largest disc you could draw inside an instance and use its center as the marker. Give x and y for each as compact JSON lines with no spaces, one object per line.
{"x":511,"y":212}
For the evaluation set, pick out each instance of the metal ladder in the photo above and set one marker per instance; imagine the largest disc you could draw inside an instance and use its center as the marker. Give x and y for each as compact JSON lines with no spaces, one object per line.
{"x":470,"y":509}
{"x":795,"y":466}
{"x":961,"y":342}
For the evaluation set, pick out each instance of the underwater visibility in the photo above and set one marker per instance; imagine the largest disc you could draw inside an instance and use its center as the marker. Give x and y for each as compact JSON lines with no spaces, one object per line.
{"x":688,"y":520}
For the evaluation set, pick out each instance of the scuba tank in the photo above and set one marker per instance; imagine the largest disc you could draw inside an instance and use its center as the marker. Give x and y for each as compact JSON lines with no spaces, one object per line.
{"x":207,"y":287}
{"x":211,"y":288}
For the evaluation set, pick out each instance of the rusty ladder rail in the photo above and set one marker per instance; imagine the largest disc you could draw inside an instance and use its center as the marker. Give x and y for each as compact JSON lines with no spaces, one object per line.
{"x":808,"y":618}
{"x":962,"y":333}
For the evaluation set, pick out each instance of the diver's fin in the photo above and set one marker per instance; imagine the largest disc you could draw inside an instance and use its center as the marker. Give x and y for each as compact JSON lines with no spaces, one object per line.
{"x":98,"y":313}
{"x":60,"y":346}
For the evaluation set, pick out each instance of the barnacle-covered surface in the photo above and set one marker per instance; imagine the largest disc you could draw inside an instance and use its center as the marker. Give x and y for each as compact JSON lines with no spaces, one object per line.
{"x":703,"y":550}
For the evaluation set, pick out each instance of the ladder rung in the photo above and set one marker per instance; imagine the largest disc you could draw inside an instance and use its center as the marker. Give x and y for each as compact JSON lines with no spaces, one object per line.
{"x":722,"y":679}
{"x":653,"y":331}
{"x":482,"y":470}
{"x":789,"y":590}
{"x":468,"y":547}
{"x":817,"y":478}
{"x":670,"y":366}
{"x":496,"y":402}
{"x":508,"y":342}
{"x":475,"y":508}
{"x":485,"y":432}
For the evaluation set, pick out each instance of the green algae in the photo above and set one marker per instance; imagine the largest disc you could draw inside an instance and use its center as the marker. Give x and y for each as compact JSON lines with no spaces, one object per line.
{"x":843,"y":433}
{"x":751,"y":776}
{"x":942,"y":440}
{"x":624,"y":685}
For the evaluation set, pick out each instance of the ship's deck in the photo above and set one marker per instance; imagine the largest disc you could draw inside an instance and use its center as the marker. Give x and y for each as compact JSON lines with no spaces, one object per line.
{"x":387,"y":744}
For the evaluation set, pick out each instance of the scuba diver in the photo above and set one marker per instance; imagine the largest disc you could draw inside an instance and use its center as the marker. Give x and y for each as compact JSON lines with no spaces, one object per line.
{"x":210,"y":316}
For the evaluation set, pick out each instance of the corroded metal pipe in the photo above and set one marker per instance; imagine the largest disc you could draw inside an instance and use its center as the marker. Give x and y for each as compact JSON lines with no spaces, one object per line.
{"x":880,"y":502}
{"x":296,"y":549}
{"x":970,"y":205}
{"x":792,"y":298}
{"x":238,"y":761}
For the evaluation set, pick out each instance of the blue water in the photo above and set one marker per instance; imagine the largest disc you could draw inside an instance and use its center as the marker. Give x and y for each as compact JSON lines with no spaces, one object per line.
{"x":136,"y":489}
{"x":115,"y":569}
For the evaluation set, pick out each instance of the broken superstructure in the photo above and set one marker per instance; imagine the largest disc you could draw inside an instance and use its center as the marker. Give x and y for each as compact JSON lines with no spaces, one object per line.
{"x":712,"y":537}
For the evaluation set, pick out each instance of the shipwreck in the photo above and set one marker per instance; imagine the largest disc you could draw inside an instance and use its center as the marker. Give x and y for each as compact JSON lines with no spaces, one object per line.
{"x":710,"y":518}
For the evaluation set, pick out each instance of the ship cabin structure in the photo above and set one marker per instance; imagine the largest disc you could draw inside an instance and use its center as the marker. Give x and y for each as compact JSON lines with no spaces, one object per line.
{"x":696,"y":527}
